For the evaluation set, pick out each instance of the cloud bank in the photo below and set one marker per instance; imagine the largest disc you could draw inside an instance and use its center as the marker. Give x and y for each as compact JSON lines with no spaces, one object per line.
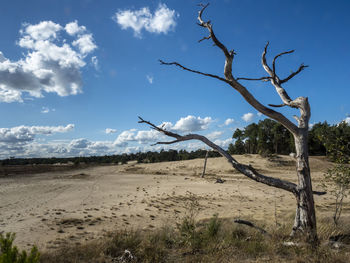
{"x":23,"y":133}
{"x":31,"y":141}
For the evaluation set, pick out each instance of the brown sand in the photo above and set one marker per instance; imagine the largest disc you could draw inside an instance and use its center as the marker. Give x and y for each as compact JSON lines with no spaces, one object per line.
{"x":48,"y":209}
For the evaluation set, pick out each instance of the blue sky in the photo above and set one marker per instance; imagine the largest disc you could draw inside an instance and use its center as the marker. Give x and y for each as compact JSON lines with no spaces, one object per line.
{"x":69,"y":70}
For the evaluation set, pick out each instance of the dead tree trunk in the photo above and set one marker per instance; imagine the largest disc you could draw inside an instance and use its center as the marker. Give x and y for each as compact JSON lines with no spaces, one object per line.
{"x":205,"y":164}
{"x":305,"y":218}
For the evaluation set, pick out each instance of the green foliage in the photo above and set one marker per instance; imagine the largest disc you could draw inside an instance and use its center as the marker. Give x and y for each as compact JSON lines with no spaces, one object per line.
{"x":337,"y":182}
{"x":140,"y":157}
{"x":333,"y":141}
{"x":266,"y":137}
{"x":338,"y":143}
{"x":10,"y":253}
{"x":213,"y":226}
{"x":270,"y":137}
{"x":337,"y":178}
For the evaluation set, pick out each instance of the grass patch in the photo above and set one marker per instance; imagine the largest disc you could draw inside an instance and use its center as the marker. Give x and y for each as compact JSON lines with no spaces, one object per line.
{"x":212,"y":240}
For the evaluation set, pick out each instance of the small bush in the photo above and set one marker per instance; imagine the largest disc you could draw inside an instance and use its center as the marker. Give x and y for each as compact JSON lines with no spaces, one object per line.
{"x":10,"y":254}
{"x":123,"y":240}
{"x":190,"y":236}
{"x":213,"y":227}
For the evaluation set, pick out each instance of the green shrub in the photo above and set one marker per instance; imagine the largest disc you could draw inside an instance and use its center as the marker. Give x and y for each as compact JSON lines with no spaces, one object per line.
{"x":10,"y":254}
{"x":123,"y":240}
{"x":189,"y":234}
{"x":213,"y":226}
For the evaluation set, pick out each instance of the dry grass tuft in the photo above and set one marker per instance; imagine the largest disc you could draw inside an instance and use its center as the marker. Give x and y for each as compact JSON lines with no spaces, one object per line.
{"x":211,"y":240}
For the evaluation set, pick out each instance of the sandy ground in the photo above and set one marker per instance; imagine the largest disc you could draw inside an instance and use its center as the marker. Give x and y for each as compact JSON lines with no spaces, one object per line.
{"x":49,"y":209}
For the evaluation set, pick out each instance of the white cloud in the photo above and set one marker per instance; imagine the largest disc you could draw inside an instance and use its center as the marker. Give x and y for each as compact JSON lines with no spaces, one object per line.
{"x":148,"y":136}
{"x":23,"y":133}
{"x":85,"y":43}
{"x":192,"y":123}
{"x":247,"y":117}
{"x":149,"y":78}
{"x":79,"y":143}
{"x":347,"y":120}
{"x":8,"y":95}
{"x":94,"y":61}
{"x":259,"y":114}
{"x":125,"y":137}
{"x":50,"y":64}
{"x":42,"y":31}
{"x":109,"y":131}
{"x":46,"y":110}
{"x":185,"y":124}
{"x":162,"y":21}
{"x":141,"y":137}
{"x":76,"y":147}
{"x":229,"y":121}
{"x":214,"y":135}
{"x":73,"y":28}
{"x":224,"y":143}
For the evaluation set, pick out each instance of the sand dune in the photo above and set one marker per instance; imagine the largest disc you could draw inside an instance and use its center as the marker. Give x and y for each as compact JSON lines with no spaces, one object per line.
{"x":78,"y":205}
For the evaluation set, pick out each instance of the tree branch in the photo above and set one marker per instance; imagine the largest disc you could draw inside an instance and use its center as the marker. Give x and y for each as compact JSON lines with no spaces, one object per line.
{"x":264,"y":63}
{"x":276,"y":57}
{"x":240,"y":88}
{"x":246,"y":170}
{"x":262,"y":78}
{"x":302,"y":66}
{"x":228,"y":54}
{"x":204,"y":38}
{"x":250,"y":224}
{"x":192,"y":70}
{"x":277,"y":106}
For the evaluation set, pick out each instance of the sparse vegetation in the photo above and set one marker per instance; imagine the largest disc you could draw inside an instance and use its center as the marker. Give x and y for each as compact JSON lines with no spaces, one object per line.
{"x":10,"y":253}
{"x":213,"y":240}
{"x":337,"y":182}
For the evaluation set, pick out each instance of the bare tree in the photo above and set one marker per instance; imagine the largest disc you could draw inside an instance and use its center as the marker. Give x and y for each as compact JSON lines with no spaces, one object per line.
{"x":305,"y":218}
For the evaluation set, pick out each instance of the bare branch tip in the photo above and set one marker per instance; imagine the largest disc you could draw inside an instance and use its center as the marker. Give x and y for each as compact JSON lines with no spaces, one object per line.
{"x":277,"y":106}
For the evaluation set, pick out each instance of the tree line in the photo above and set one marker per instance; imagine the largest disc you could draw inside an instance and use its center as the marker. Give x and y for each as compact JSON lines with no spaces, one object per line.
{"x":265,"y":137}
{"x":140,"y":157}
{"x":270,"y":137}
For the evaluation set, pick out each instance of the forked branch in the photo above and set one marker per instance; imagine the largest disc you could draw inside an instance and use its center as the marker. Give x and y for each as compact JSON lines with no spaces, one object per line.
{"x":276,"y":57}
{"x":246,"y":170}
{"x":229,"y":55}
{"x":302,"y":66}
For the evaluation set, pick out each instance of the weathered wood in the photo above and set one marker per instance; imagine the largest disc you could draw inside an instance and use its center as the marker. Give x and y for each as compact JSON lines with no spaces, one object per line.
{"x":250,"y":224}
{"x":305,"y":218}
{"x":246,"y":170}
{"x":205,"y":164}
